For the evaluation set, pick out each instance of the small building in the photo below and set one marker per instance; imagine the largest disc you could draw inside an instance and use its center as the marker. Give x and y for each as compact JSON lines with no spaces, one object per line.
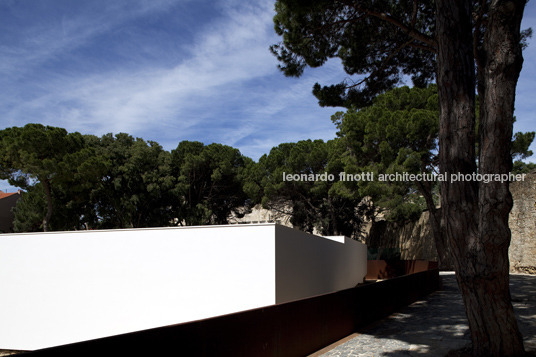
{"x":7,"y":202}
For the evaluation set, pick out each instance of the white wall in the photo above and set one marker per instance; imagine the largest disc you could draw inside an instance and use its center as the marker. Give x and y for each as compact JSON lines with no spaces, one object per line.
{"x":63,"y":287}
{"x":311,"y":265}
{"x":57,"y":288}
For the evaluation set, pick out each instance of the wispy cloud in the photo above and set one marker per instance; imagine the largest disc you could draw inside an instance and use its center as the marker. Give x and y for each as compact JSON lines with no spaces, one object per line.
{"x":168,"y":70}
{"x":225,"y":54}
{"x":40,"y":41}
{"x":223,"y":87}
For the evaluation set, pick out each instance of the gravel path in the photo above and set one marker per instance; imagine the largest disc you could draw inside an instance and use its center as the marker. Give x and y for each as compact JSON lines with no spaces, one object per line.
{"x":434,"y":326}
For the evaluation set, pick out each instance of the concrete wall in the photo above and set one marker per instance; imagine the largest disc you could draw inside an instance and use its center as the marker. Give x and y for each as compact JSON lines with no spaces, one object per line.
{"x":316,"y":266}
{"x":63,"y":287}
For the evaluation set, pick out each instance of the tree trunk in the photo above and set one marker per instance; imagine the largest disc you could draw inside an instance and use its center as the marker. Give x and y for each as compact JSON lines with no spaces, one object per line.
{"x":456,"y":88}
{"x":503,"y":62}
{"x":475,"y":215}
{"x":443,"y":251}
{"x":48,"y":215}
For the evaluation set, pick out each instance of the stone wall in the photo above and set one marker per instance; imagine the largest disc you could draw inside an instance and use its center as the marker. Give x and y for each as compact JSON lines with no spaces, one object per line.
{"x":522,"y":252}
{"x":415,"y":240}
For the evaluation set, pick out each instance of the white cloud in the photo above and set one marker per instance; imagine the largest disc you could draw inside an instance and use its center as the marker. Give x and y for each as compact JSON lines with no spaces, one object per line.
{"x":224,"y":87}
{"x":228,"y":53}
{"x":42,"y":41}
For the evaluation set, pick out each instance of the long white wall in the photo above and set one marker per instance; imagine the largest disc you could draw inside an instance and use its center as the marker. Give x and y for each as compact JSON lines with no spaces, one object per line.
{"x":58,"y":288}
{"x":312,"y":265}
{"x":63,"y":287}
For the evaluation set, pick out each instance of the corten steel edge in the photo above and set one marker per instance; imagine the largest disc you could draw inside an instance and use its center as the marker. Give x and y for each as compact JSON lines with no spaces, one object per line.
{"x":296,"y":328}
{"x":387,"y":269}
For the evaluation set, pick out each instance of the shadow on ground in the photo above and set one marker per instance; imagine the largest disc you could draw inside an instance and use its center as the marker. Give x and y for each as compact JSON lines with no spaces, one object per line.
{"x":437,"y":325}
{"x":523,"y":291}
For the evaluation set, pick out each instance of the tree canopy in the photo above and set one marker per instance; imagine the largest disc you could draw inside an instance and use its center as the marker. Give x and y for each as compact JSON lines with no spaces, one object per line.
{"x":383,"y":40}
{"x":302,"y":180}
{"x":381,"y":43}
{"x":44,"y":154}
{"x":209,"y":182}
{"x":466,"y":47}
{"x":397,"y":133}
{"x":134,"y":188}
{"x":118,"y":181}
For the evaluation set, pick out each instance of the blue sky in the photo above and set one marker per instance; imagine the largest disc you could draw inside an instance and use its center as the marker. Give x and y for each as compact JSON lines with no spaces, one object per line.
{"x":170,"y":70}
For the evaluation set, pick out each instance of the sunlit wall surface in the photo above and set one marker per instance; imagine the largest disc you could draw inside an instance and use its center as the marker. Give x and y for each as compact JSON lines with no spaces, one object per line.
{"x":64,"y":287}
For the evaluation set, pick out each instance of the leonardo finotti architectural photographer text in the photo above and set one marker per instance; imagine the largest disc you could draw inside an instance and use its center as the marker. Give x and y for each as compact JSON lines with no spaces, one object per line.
{"x":405,"y":176}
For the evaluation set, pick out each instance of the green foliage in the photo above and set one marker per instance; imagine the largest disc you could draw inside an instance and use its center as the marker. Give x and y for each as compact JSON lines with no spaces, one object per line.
{"x":378,"y":42}
{"x":396,"y":134}
{"x":30,"y":210}
{"x":520,"y":145}
{"x":44,"y":154}
{"x":324,"y":203}
{"x":119,"y":181}
{"x":209,"y":182}
{"x":37,"y":152}
{"x":381,"y":40}
{"x":521,"y":167}
{"x":70,"y":209}
{"x":134,"y":190}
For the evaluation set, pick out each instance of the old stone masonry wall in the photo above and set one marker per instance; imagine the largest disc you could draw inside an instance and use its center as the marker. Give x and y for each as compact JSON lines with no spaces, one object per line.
{"x":522,"y":251}
{"x":414,"y":240}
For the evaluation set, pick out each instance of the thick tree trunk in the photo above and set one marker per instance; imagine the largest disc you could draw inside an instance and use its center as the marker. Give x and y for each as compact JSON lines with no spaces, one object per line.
{"x":440,"y":240}
{"x":476,"y":214}
{"x":503,"y":62}
{"x":456,"y":86}
{"x":48,"y":215}
{"x":443,"y":251}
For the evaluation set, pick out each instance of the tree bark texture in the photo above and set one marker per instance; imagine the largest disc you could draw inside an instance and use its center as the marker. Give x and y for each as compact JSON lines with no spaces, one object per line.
{"x":48,"y":194}
{"x":444,"y":254}
{"x":442,"y":248}
{"x":475,"y":214}
{"x":456,"y":87}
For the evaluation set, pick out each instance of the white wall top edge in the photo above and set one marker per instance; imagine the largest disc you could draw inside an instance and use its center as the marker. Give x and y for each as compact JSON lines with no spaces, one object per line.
{"x":145,"y":229}
{"x":339,"y":239}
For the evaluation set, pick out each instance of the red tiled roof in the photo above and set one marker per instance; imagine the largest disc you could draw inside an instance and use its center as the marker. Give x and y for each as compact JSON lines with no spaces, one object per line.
{"x":6,"y":194}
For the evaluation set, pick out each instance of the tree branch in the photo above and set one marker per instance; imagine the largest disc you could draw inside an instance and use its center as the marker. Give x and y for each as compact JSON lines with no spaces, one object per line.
{"x":409,"y":30}
{"x":383,"y":64}
{"x":414,"y":14}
